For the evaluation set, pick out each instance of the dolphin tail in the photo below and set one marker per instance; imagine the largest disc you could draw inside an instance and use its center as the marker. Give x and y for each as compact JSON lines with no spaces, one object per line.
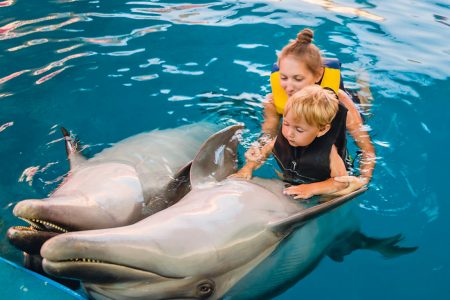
{"x":387,"y":247}
{"x":72,"y":149}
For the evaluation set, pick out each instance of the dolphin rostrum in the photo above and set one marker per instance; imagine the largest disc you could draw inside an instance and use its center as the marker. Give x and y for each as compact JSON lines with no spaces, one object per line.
{"x":119,"y":186}
{"x":222,"y":240}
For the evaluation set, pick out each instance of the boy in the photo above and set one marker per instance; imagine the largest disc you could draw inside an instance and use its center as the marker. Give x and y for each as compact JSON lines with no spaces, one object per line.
{"x":304,"y":149}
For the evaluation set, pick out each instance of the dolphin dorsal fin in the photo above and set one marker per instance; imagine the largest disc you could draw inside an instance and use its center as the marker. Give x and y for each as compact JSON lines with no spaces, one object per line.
{"x":300,"y":218}
{"x":216,"y":159}
{"x":72,"y":149}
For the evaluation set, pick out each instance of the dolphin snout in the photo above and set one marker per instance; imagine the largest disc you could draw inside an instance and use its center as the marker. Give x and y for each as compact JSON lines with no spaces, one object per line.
{"x":27,"y":208}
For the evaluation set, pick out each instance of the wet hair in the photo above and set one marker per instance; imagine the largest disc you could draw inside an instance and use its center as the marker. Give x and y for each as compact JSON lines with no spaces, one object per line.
{"x":303,"y":49}
{"x":314,"y":105}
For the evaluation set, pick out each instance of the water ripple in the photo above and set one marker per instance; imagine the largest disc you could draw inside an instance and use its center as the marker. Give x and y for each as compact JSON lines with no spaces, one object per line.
{"x":61,"y":62}
{"x":260,"y":69}
{"x":6,"y":125}
{"x":176,"y":70}
{"x":125,"y":53}
{"x":7,"y":3}
{"x":51,"y":75}
{"x":29,"y":44}
{"x":122,"y":40}
{"x":145,"y":77}
{"x":12,"y":30}
{"x":13,"y":75}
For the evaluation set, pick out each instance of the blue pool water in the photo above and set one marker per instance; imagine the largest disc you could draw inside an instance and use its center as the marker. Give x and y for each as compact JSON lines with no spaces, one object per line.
{"x":109,"y":69}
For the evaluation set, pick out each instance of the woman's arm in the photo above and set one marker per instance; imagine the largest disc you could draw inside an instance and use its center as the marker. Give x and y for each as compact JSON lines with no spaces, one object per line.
{"x":329,"y":186}
{"x":271,"y":117}
{"x":362,"y":139}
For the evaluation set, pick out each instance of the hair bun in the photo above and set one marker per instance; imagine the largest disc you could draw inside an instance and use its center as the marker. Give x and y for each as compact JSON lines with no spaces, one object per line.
{"x":305,"y":36}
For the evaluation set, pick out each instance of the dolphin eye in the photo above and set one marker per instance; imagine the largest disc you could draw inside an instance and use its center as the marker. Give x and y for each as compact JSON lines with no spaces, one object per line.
{"x":205,"y":288}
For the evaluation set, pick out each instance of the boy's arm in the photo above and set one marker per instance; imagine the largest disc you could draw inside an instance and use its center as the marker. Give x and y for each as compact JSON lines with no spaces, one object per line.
{"x":329,"y":186}
{"x":250,"y":165}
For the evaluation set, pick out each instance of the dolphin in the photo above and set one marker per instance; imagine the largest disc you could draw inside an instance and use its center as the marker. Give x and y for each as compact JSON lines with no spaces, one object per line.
{"x":226,"y":239}
{"x":121,"y":185}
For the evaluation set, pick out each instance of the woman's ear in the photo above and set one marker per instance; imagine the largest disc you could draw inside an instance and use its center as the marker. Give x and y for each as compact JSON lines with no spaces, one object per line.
{"x":319,"y":75}
{"x":323,"y":130}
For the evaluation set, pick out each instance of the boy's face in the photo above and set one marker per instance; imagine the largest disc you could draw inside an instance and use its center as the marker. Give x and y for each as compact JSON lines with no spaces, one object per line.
{"x":294,"y":75}
{"x":298,"y":132}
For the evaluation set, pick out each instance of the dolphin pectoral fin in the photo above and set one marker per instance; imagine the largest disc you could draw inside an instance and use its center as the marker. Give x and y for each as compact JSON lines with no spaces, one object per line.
{"x":72,"y":149}
{"x":388,"y":247}
{"x":300,"y":218}
{"x":216,"y":159}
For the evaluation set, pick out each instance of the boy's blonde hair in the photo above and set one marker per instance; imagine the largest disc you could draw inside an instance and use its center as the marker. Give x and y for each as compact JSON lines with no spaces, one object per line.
{"x":313,"y":104}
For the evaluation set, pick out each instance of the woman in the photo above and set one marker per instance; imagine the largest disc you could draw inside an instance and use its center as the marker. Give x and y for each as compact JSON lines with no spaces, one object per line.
{"x":300,"y":64}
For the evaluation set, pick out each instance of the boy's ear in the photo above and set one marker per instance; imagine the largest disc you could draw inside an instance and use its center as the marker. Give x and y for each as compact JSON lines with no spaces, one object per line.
{"x":324,"y":130}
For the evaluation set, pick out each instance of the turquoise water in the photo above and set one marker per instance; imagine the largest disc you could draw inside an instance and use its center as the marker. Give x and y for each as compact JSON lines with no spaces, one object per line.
{"x":109,"y":69}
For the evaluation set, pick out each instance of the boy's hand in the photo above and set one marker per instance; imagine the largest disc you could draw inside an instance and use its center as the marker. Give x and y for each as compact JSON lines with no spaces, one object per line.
{"x":245,"y":173}
{"x":301,"y":191}
{"x":254,"y":153}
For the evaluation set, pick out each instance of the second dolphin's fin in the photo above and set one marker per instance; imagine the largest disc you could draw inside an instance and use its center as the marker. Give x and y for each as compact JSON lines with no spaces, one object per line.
{"x":179,"y":186}
{"x":176,"y":189}
{"x":72,"y":149}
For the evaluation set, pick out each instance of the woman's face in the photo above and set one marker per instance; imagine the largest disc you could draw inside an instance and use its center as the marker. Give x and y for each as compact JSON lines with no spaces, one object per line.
{"x":294,"y":75}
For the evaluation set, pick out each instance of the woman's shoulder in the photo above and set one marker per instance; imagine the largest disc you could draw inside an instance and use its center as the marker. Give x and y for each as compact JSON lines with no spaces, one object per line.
{"x":346,"y":100}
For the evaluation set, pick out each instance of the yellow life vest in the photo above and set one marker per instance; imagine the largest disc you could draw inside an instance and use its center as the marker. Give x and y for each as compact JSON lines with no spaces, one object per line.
{"x":331,"y":79}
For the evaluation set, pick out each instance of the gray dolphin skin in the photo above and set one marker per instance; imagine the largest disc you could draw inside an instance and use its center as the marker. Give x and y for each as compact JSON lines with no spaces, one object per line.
{"x":226,"y":239}
{"x":119,"y":186}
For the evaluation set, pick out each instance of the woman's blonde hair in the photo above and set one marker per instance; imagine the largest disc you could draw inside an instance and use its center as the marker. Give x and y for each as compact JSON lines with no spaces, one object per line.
{"x":303,"y":49}
{"x":313,"y":104}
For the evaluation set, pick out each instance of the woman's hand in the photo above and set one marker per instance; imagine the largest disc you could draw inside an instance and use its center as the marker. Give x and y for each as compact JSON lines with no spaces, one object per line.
{"x":354,"y":183}
{"x":301,"y":191}
{"x":269,"y":98}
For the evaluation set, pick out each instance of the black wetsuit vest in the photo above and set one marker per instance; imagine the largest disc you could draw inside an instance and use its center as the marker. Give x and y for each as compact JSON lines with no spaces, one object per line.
{"x":312,"y":163}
